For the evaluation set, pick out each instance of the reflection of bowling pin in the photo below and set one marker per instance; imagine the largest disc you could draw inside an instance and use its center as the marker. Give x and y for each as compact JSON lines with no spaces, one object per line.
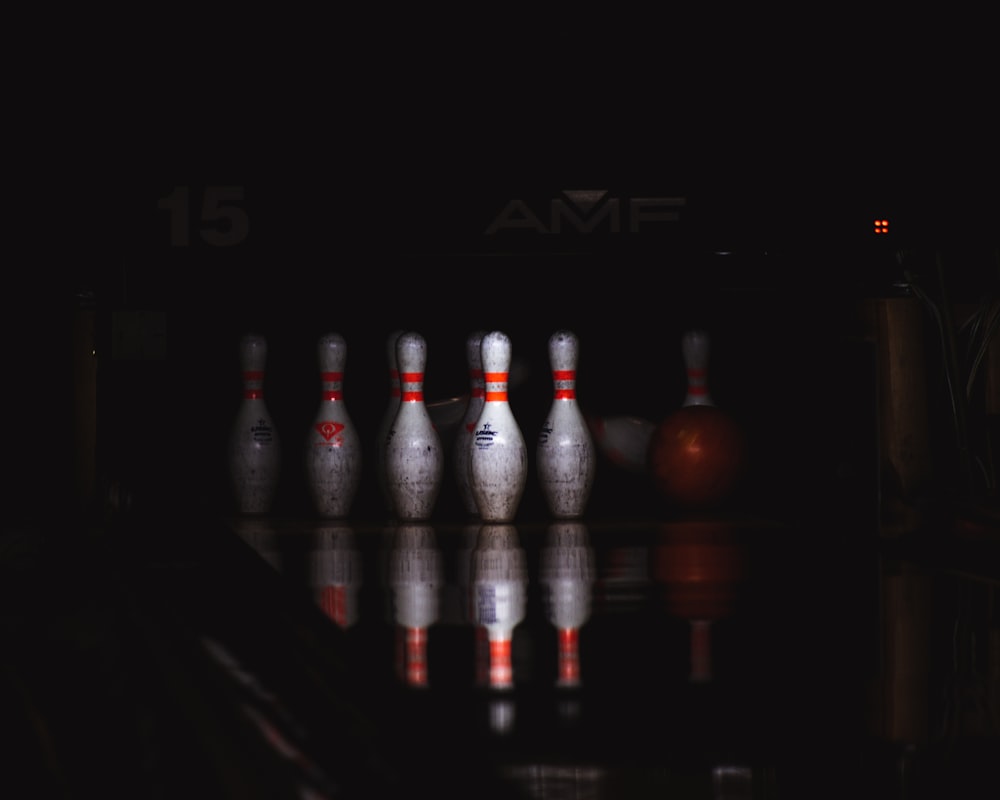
{"x":335,"y":573}
{"x":463,"y":438}
{"x":503,"y":714}
{"x":623,"y":578}
{"x":701,"y":564}
{"x":414,"y":456}
{"x":694,"y":348}
{"x":567,"y":573}
{"x":498,"y":458}
{"x":254,"y":447}
{"x":565,"y":452}
{"x":464,"y":568}
{"x":500,"y":580}
{"x":623,"y":439}
{"x":388,"y":418}
{"x":415,"y":578}
{"x":333,"y":449}
{"x":701,"y":651}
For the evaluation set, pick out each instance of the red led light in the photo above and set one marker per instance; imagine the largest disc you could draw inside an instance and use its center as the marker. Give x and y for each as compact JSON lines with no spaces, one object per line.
{"x":881,"y":226}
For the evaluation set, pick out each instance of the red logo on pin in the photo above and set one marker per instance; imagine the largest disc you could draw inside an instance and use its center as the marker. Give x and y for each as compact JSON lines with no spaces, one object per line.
{"x":329,"y":429}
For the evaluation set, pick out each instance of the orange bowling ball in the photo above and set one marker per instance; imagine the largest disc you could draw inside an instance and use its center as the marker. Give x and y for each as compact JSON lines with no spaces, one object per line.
{"x":697,"y":456}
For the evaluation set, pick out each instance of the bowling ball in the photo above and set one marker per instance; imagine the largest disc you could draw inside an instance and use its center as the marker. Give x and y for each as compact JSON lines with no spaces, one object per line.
{"x":697,"y":456}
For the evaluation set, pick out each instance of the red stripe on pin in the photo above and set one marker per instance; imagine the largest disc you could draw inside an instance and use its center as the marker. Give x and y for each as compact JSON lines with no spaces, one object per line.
{"x":569,"y":659}
{"x":565,"y":394}
{"x":412,"y":397}
{"x":333,"y":601}
{"x":495,"y":397}
{"x":501,"y":669}
{"x":563,"y":374}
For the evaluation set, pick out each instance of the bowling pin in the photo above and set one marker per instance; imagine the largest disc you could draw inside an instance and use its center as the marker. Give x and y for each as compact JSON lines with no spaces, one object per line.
{"x":567,"y":574}
{"x":415,"y":576}
{"x":694,"y":349}
{"x":414,"y":456}
{"x":500,"y":581}
{"x":254,"y":445}
{"x":498,"y":457}
{"x":565,"y":451}
{"x":387,"y":419}
{"x":333,"y":448}
{"x":697,"y":454}
{"x":463,"y":438}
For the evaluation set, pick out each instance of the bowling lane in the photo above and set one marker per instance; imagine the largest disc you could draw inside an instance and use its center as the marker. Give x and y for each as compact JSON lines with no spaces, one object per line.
{"x":697,"y":657}
{"x":703,"y":653}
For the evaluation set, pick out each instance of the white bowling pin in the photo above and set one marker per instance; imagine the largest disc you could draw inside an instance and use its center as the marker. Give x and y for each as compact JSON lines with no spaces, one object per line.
{"x":463,"y":437}
{"x":254,"y":446}
{"x":695,"y":348}
{"x":568,"y":573}
{"x":498,"y":457}
{"x":565,"y":451}
{"x":415,"y":576}
{"x":500,"y":581}
{"x":333,"y":448}
{"x":414,"y":456}
{"x":387,"y":418}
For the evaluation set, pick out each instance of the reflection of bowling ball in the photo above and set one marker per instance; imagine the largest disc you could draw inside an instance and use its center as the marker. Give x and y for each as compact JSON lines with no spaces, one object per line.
{"x":696,"y":456}
{"x":700,"y":564}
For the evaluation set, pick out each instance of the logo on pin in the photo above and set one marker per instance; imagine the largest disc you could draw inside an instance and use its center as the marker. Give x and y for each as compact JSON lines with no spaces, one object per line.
{"x":484,"y":436}
{"x":543,"y":437}
{"x":261,"y":432}
{"x":329,"y":429}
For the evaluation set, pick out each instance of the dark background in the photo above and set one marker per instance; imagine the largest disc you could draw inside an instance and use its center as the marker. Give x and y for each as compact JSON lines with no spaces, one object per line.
{"x":370,"y":161}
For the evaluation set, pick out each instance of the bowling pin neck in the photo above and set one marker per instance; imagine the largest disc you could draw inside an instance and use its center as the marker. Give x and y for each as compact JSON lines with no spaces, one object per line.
{"x":496,"y":356}
{"x":496,"y":353}
{"x":411,"y":358}
{"x":332,"y":353}
{"x":564,"y":351}
{"x":253,"y":357}
{"x":564,"y":384}
{"x":333,"y":386}
{"x":391,"y":359}
{"x":695,"y":350}
{"x":474,"y":359}
{"x":563,"y":355}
